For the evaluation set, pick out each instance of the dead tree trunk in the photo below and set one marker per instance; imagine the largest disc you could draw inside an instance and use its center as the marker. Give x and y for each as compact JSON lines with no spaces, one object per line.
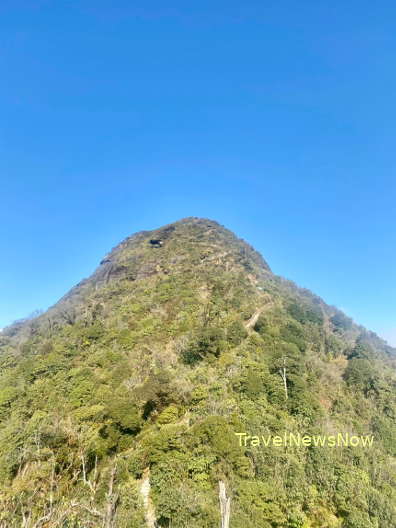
{"x":225,"y":505}
{"x":111,"y":500}
{"x":282,"y":372}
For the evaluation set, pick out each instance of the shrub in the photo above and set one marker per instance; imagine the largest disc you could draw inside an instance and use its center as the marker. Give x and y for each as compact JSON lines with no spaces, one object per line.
{"x":207,"y":342}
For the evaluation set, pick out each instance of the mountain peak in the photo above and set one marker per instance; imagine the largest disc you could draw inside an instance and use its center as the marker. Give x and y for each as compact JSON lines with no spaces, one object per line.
{"x":130,"y":392}
{"x":189,"y":242}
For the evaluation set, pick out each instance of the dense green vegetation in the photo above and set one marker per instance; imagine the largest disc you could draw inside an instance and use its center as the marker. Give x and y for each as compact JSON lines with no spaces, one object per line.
{"x":145,"y":372}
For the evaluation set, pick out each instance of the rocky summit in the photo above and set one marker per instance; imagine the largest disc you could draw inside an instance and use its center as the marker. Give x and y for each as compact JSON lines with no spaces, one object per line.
{"x":184,"y":384}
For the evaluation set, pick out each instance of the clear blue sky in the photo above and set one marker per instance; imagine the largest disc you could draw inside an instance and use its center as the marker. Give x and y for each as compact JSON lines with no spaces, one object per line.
{"x":275,"y":118}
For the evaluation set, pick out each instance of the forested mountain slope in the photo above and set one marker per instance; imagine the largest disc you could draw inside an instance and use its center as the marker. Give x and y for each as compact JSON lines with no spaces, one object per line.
{"x":119,"y":405}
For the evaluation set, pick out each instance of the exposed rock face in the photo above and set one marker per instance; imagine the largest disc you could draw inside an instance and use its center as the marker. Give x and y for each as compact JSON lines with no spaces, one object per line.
{"x":145,"y":488}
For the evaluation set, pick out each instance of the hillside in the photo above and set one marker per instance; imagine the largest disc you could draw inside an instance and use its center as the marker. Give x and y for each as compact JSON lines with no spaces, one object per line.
{"x":119,"y":406}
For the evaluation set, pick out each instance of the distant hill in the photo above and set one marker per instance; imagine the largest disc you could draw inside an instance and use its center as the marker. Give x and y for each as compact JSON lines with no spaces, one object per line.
{"x":119,"y":406}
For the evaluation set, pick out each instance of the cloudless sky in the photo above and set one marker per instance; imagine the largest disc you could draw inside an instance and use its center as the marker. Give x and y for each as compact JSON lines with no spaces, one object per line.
{"x":275,"y":118}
